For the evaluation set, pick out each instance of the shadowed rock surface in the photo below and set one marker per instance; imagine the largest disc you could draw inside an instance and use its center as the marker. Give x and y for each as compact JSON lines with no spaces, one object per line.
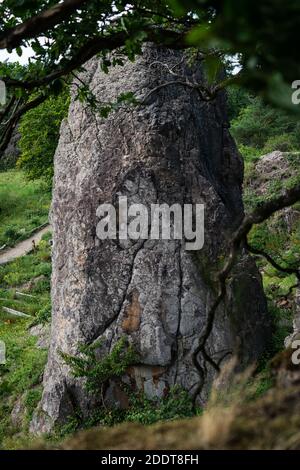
{"x":174,"y":148}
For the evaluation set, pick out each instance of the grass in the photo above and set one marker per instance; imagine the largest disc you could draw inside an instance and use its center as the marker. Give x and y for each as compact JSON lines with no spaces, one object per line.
{"x":245,"y":413}
{"x":20,"y":377}
{"x":24,"y":205}
{"x":176,"y":404}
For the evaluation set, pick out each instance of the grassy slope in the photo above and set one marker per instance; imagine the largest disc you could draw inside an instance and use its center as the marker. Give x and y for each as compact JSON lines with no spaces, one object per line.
{"x":271,"y":422}
{"x":20,"y":377}
{"x":24,"y":206}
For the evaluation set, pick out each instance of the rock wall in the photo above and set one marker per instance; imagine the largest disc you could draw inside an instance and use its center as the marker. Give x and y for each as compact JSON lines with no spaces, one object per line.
{"x":174,"y":148}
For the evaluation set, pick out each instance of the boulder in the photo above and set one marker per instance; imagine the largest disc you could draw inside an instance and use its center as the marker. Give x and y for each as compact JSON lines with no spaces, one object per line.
{"x":171,"y":148}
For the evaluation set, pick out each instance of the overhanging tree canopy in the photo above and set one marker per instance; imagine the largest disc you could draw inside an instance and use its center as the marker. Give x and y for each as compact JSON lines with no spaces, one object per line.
{"x":65,"y":35}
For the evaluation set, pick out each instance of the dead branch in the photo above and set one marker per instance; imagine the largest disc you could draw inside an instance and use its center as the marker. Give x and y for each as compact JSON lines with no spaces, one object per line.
{"x":259,"y":215}
{"x":13,"y":121}
{"x":206,"y":93}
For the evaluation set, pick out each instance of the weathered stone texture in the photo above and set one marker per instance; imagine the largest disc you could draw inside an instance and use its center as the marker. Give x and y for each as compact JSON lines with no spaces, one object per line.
{"x":173,"y":149}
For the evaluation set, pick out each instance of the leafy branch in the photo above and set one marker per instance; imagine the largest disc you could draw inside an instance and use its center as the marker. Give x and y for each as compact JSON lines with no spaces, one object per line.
{"x":37,"y":24}
{"x":98,"y":372}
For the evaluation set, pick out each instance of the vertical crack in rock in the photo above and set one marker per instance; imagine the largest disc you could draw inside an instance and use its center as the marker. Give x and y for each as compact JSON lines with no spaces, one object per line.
{"x":180,"y":294}
{"x":123,"y":299}
{"x":173,"y":149}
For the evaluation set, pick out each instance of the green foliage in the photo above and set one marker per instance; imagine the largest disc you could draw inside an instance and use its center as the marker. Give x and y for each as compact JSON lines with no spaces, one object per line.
{"x":43,"y":315}
{"x":33,"y":270}
{"x":39,"y":129}
{"x":273,"y":238}
{"x":262,"y":382}
{"x":98,"y":371}
{"x":258,"y":125}
{"x":31,"y":400}
{"x":282,"y":243}
{"x":251,"y":29}
{"x":23,"y":206}
{"x":85,"y":95}
{"x":20,"y":376}
{"x":23,"y":270}
{"x":282,"y":142}
{"x":237,"y":99}
{"x":61,"y":431}
{"x":280,"y":235}
{"x":249,"y":154}
{"x":282,"y":326}
{"x":245,"y":28}
{"x":176,"y":404}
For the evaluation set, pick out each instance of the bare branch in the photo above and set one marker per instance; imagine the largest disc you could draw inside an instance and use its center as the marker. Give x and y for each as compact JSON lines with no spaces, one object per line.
{"x":204,"y":92}
{"x":259,"y":215}
{"x":5,"y":112}
{"x":13,"y":121}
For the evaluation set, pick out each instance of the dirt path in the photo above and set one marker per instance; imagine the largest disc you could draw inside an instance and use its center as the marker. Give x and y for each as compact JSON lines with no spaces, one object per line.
{"x":23,"y":247}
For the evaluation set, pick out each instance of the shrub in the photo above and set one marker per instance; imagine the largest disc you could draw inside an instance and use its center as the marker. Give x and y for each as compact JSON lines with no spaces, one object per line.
{"x":249,"y":154}
{"x":98,"y":372}
{"x":258,"y":122}
{"x":39,"y":129}
{"x":283,"y":142}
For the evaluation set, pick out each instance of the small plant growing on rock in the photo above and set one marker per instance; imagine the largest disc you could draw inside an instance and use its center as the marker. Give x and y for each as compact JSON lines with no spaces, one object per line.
{"x":98,"y":372}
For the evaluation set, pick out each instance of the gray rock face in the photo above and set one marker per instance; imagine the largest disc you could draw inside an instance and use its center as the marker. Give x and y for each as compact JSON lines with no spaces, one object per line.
{"x":174,"y":148}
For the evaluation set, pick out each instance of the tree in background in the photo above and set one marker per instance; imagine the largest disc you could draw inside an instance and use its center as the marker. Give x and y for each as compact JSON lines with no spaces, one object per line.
{"x":261,"y":127}
{"x":39,"y":129}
